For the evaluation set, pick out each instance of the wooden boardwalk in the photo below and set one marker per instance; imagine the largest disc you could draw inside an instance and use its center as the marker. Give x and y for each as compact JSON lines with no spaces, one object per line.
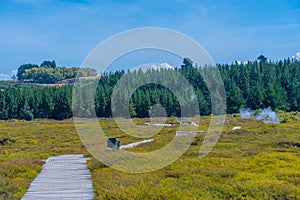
{"x":62,"y":177}
{"x":132,"y":145}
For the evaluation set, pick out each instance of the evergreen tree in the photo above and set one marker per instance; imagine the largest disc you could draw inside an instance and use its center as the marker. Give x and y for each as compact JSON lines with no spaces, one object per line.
{"x":3,"y":106}
{"x":25,"y":112}
{"x":257,"y":84}
{"x":48,"y":64}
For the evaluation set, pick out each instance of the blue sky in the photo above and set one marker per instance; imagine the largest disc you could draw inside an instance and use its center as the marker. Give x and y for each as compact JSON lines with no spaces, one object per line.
{"x":66,"y":31}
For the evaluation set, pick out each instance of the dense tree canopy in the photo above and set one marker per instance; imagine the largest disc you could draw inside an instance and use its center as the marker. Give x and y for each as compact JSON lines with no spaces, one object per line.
{"x":22,"y":69}
{"x":257,"y":84}
{"x":48,"y":73}
{"x":48,"y":64}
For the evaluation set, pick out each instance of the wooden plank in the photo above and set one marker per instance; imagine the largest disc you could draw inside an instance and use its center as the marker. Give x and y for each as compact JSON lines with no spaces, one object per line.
{"x":62,"y":177}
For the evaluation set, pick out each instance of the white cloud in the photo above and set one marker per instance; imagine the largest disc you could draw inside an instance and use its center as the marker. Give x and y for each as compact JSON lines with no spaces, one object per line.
{"x":4,"y":77}
{"x":161,"y":66}
{"x":298,"y":56}
{"x":158,"y":67}
{"x":14,"y":72}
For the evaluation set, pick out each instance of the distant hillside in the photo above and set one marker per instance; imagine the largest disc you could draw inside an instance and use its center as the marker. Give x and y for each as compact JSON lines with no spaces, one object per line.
{"x":48,"y":73}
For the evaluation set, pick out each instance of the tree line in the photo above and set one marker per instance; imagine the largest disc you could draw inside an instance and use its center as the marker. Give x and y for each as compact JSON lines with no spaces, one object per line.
{"x":48,"y":73}
{"x":257,"y":84}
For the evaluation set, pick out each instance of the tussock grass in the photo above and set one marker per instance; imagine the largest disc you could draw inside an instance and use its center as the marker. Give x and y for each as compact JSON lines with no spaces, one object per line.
{"x":255,"y":162}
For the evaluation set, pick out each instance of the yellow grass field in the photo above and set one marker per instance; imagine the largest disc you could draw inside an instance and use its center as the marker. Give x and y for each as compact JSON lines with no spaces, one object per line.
{"x":256,"y":162}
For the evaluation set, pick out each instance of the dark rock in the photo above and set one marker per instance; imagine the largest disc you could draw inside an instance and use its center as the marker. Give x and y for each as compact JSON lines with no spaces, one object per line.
{"x":296,"y":144}
{"x":287,"y":144}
